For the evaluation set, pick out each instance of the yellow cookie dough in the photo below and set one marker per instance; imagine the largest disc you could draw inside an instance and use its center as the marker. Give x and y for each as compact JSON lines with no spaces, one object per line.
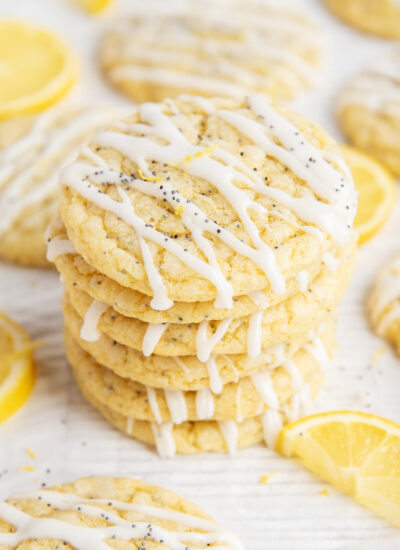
{"x":369,"y":110}
{"x":107,"y":512}
{"x":191,"y":194}
{"x":33,"y":150}
{"x":380,"y":17}
{"x":384,"y":303}
{"x":236,"y":400}
{"x":202,"y":51}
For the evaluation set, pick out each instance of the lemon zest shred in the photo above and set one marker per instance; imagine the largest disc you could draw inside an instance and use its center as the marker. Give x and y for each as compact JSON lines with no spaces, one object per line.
{"x":264,"y":479}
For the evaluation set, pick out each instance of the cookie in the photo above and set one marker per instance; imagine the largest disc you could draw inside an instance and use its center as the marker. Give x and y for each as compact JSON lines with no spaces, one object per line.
{"x":384,"y":303}
{"x":379,"y":17}
{"x":249,"y":334}
{"x":257,"y":195}
{"x":249,"y":396}
{"x":201,"y":51}
{"x":33,"y":150}
{"x":207,"y":435}
{"x":104,"y":513}
{"x":178,"y":373}
{"x":77,"y":273}
{"x":369,"y":110}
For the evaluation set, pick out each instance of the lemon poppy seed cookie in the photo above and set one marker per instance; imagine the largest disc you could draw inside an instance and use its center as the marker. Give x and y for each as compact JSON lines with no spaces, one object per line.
{"x":33,"y":150}
{"x":208,"y":222}
{"x":105,"y":513}
{"x":369,"y":110}
{"x":384,"y":303}
{"x":249,"y":396}
{"x":77,"y":273}
{"x":198,"y":50}
{"x":273,"y":325}
{"x":178,"y":372}
{"x":210,"y":435}
{"x":380,"y":17}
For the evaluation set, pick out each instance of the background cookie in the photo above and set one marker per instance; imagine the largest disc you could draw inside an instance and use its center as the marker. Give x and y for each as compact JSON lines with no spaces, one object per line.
{"x":380,"y":17}
{"x":96,"y":510}
{"x":201,"y":51}
{"x":369,"y":110}
{"x":384,"y":303}
{"x":33,"y":149}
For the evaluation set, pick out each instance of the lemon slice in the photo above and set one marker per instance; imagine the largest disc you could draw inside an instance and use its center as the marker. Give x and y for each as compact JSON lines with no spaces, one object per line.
{"x":93,"y":6}
{"x":36,"y":69}
{"x":356,"y":452}
{"x":17,"y":370}
{"x":377,"y":192}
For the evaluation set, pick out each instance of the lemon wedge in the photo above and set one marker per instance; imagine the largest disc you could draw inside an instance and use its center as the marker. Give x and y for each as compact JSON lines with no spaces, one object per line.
{"x":93,"y":6}
{"x":358,"y":453}
{"x":377,"y":192}
{"x":17,"y":369}
{"x":36,"y":69}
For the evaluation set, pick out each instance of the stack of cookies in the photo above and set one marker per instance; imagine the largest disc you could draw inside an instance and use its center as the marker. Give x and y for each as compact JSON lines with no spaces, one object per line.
{"x":204,"y":245}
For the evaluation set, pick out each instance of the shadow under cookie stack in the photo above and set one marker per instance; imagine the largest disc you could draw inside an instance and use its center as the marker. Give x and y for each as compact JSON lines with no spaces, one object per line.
{"x":204,"y":245}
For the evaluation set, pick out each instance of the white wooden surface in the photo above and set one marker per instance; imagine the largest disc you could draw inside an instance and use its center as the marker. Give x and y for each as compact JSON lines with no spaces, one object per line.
{"x":70,"y":439}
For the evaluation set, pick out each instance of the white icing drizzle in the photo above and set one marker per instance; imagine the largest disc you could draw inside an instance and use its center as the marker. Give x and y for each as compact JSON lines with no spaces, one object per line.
{"x":152,"y":397}
{"x":177,"y":405}
{"x":333,"y":214}
{"x":230,"y":433}
{"x":82,"y":537}
{"x":152,"y":336}
{"x":254,"y":334}
{"x":259,"y":298}
{"x":330,"y":261}
{"x":216,"y":384}
{"x":377,"y":88}
{"x":293,"y":370}
{"x":272,"y":48}
{"x":160,"y":301}
{"x":299,"y":404}
{"x":263,"y":384}
{"x":205,"y":405}
{"x":57,"y":247}
{"x":205,"y":344}
{"x":25,"y":159}
{"x":272,"y":425}
{"x":129,"y":425}
{"x":239,"y":416}
{"x":179,"y":362}
{"x":318,"y":351}
{"x":164,"y":439}
{"x":384,"y":302}
{"x":303,"y":278}
{"x":89,"y":331}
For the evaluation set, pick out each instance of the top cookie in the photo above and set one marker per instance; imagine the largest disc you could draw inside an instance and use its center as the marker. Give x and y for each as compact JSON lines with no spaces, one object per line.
{"x":33,"y":150}
{"x":369,"y":110}
{"x":103,"y":513}
{"x":199,"y":50}
{"x":199,"y":200}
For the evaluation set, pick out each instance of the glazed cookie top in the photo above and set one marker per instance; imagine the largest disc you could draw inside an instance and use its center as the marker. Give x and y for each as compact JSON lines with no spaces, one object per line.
{"x":104,"y":512}
{"x":377,"y":88}
{"x":199,"y":50}
{"x":199,"y":200}
{"x":33,"y":150}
